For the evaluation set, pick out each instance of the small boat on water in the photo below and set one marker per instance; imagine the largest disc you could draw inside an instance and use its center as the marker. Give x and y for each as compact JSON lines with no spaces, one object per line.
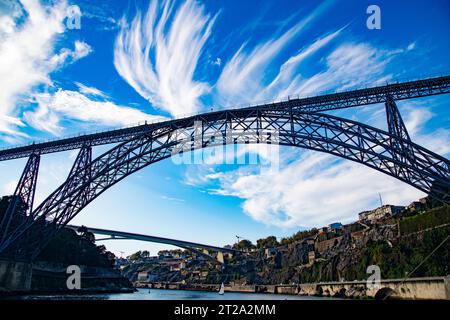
{"x":222,"y":289}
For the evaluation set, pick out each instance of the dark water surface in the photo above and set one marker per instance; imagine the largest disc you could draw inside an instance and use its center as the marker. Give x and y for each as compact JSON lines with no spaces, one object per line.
{"x":162,"y":294}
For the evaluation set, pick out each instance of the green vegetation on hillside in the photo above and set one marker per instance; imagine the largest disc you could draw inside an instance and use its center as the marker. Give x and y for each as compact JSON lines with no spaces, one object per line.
{"x":431,"y":218}
{"x":395,"y":261}
{"x":299,"y":236}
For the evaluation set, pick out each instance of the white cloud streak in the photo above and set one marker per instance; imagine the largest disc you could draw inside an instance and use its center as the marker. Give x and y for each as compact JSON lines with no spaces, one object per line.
{"x":27,"y":59}
{"x":52,"y":107}
{"x":157,"y":54}
{"x":28,"y":34}
{"x":90,"y":91}
{"x":243,"y":76}
{"x":315,"y":190}
{"x":417,"y":115}
{"x":348,"y":66}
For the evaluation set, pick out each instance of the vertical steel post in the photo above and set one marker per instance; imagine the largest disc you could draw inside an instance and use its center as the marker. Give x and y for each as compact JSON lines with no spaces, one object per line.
{"x":395,"y":123}
{"x":22,"y":199}
{"x":81,"y":169}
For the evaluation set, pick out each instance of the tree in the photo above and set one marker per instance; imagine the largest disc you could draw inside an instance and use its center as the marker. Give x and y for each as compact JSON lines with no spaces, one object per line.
{"x":300,"y":235}
{"x":163,"y":252}
{"x":244,"y":245}
{"x":135,"y":256}
{"x":269,"y":242}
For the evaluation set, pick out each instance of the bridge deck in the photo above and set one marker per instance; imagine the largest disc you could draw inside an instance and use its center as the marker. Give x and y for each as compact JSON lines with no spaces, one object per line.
{"x":398,"y":91}
{"x":148,"y":238}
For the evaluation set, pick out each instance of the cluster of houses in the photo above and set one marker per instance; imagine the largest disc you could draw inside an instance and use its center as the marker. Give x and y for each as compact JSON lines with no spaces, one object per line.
{"x":172,"y":261}
{"x":312,"y":247}
{"x":330,"y":236}
{"x":385,"y":211}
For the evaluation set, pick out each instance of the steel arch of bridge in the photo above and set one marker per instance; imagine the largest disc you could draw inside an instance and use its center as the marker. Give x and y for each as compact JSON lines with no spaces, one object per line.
{"x":296,"y":123}
{"x":348,"y":139}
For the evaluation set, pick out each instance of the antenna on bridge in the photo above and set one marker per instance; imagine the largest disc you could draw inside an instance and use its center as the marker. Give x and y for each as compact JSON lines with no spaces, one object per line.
{"x":381,"y":200}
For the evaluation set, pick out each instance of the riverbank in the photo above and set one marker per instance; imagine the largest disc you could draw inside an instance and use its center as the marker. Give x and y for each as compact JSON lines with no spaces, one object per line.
{"x":430,"y":288}
{"x":50,"y":278}
{"x":49,"y":272}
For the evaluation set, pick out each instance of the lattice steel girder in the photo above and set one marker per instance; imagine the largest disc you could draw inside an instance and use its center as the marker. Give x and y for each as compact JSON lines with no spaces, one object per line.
{"x":348,"y":139}
{"x":79,"y":174}
{"x":23,"y":197}
{"x":397,"y":91}
{"x":396,"y":126}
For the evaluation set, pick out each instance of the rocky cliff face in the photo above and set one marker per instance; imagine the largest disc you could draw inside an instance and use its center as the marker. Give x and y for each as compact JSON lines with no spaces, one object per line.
{"x":342,"y":260}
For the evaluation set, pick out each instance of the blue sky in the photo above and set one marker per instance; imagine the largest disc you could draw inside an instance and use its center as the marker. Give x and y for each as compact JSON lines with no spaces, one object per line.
{"x":138,"y":60}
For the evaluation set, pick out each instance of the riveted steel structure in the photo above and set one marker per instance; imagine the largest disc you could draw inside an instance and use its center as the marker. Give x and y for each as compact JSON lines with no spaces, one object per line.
{"x":22,"y":200}
{"x":355,"y":98}
{"x":300,"y":123}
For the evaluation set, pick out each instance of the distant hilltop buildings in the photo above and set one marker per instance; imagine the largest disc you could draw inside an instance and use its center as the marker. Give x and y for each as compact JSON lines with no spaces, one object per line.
{"x":380,"y":213}
{"x":385,"y":211}
{"x":322,"y":241}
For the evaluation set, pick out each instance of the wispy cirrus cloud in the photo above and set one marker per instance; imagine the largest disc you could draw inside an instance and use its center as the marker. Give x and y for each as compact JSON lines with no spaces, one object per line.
{"x":89,"y":105}
{"x":66,"y":56}
{"x":157,"y":54}
{"x":314,"y":190}
{"x":28,"y":33}
{"x":244,"y":76}
{"x":28,"y":56}
{"x":90,"y":91}
{"x":416,"y":115}
{"x":173,"y":199}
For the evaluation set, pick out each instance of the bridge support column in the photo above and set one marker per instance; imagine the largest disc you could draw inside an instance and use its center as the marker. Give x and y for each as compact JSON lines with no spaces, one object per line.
{"x":81,"y":169}
{"x":395,"y":123}
{"x":83,"y":161}
{"x":23,"y":198}
{"x":397,"y":128}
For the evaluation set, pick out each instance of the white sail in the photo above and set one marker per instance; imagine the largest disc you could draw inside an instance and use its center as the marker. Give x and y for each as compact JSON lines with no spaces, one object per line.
{"x":222,"y":289}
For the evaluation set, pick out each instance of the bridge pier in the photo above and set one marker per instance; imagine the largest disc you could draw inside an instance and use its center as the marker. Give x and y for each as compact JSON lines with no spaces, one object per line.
{"x":19,"y":214}
{"x":15,"y":276}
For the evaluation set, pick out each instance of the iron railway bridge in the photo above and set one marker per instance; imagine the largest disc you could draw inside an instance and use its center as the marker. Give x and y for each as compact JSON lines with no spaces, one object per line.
{"x":301,"y":123}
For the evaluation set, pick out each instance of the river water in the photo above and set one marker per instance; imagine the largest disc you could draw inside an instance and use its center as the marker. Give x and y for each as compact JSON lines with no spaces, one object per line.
{"x":161,"y":294}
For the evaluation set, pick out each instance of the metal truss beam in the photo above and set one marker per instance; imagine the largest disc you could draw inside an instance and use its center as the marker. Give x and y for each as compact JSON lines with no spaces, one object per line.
{"x":344,"y":138}
{"x":79,"y":174}
{"x":355,"y":98}
{"x":21,"y":202}
{"x":396,"y":126}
